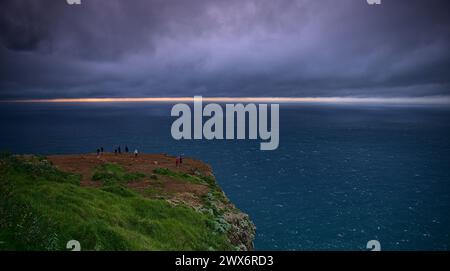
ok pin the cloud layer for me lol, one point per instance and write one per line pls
(141, 48)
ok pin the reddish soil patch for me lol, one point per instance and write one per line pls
(175, 190)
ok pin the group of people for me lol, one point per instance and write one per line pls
(179, 161)
(116, 151)
(119, 150)
(99, 151)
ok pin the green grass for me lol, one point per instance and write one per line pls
(180, 176)
(111, 174)
(157, 192)
(42, 208)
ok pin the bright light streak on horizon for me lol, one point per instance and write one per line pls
(444, 100)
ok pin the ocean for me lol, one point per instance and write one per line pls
(342, 175)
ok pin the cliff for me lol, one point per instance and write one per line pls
(116, 202)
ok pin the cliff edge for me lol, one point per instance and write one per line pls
(116, 202)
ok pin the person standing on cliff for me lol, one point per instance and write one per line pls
(101, 149)
(135, 153)
(118, 149)
(126, 148)
(98, 153)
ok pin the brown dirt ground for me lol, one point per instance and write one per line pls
(166, 187)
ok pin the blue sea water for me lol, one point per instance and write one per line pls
(342, 175)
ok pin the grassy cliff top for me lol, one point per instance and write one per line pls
(116, 202)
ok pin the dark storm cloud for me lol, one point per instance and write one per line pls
(113, 48)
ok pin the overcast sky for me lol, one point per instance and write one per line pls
(302, 48)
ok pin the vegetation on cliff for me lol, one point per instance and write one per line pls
(43, 207)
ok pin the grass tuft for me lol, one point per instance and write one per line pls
(112, 174)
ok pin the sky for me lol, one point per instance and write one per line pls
(216, 48)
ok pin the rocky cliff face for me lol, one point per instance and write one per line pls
(240, 229)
